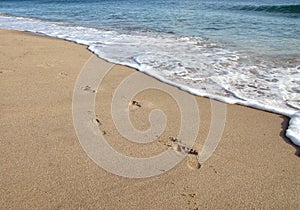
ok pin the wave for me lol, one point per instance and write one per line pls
(6, 14)
(285, 9)
(9, 15)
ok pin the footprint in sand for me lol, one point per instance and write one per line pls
(98, 123)
(134, 105)
(192, 158)
(180, 147)
(88, 89)
(190, 199)
(63, 74)
(192, 162)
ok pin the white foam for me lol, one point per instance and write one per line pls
(190, 63)
(293, 132)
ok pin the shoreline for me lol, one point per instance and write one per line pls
(292, 134)
(254, 164)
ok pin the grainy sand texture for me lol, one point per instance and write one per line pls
(44, 166)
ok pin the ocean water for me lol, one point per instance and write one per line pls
(245, 52)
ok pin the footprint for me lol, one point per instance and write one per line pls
(173, 139)
(193, 163)
(213, 168)
(87, 88)
(63, 74)
(190, 200)
(98, 123)
(180, 147)
(192, 158)
(135, 103)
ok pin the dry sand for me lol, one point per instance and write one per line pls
(43, 165)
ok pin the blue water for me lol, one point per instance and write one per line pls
(245, 52)
(269, 26)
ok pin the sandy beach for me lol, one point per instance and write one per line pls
(43, 165)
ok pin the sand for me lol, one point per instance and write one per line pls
(44, 166)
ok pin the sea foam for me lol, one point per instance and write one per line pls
(293, 132)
